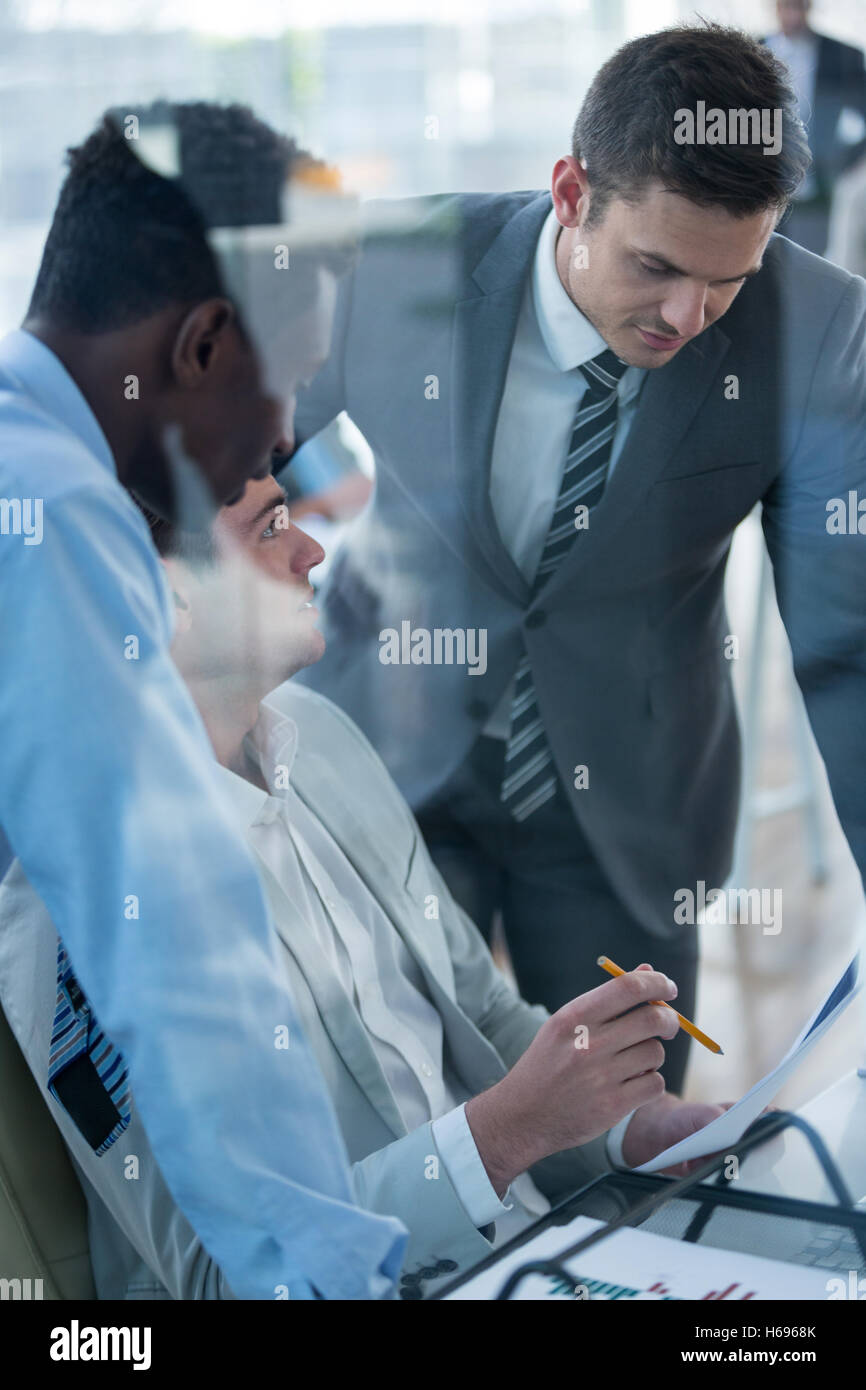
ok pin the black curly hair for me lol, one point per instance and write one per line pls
(127, 241)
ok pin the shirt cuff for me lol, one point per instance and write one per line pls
(614, 1142)
(459, 1153)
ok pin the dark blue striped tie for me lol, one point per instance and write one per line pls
(529, 778)
(86, 1073)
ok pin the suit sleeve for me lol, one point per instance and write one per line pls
(816, 538)
(510, 1024)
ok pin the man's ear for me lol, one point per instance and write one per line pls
(178, 581)
(201, 337)
(570, 190)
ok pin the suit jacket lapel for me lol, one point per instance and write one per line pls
(484, 328)
(313, 782)
(325, 795)
(340, 1018)
(670, 399)
(342, 1024)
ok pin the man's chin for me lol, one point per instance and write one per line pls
(306, 654)
(650, 359)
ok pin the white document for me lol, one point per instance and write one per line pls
(724, 1132)
(638, 1265)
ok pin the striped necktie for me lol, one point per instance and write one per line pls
(86, 1073)
(529, 778)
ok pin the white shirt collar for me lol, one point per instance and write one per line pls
(568, 335)
(273, 743)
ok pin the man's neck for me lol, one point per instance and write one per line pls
(563, 250)
(86, 358)
(100, 364)
(228, 716)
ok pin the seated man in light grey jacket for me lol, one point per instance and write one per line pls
(463, 1108)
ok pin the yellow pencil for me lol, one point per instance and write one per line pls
(690, 1028)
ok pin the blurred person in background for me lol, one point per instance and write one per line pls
(830, 82)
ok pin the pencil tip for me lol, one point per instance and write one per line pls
(721, 1053)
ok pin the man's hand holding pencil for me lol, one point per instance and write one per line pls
(592, 1062)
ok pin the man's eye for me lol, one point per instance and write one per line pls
(269, 532)
(652, 269)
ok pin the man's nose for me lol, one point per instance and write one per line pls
(684, 309)
(308, 555)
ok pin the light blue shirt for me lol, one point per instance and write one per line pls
(110, 796)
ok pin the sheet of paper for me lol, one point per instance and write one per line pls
(633, 1264)
(724, 1132)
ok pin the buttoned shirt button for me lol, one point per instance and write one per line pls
(428, 1071)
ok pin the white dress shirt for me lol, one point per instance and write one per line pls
(542, 395)
(379, 976)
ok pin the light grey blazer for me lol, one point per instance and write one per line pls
(142, 1245)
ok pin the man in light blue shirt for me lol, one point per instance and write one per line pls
(132, 363)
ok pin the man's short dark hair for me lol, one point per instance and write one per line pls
(172, 542)
(624, 133)
(126, 242)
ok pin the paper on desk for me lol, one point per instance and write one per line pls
(640, 1265)
(724, 1132)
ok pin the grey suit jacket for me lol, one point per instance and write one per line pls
(142, 1245)
(627, 639)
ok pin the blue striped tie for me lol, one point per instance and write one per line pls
(529, 778)
(86, 1073)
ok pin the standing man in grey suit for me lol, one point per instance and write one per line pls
(528, 619)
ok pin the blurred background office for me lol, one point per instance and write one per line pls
(481, 95)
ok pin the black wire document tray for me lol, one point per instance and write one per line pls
(829, 1241)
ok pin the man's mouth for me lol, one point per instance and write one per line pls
(660, 344)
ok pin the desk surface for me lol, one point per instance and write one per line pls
(788, 1167)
